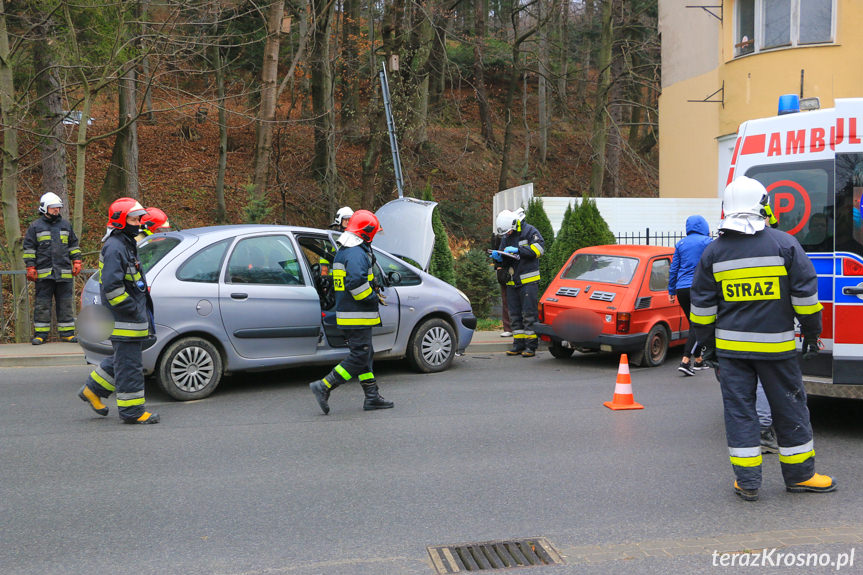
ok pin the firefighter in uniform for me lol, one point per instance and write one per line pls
(750, 285)
(522, 246)
(153, 222)
(357, 299)
(52, 258)
(123, 291)
(343, 216)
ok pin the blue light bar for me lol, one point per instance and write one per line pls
(789, 104)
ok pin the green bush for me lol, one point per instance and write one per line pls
(257, 210)
(475, 277)
(441, 265)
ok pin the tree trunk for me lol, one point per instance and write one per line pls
(9, 186)
(147, 114)
(514, 74)
(350, 65)
(486, 126)
(267, 112)
(121, 180)
(221, 210)
(49, 109)
(421, 43)
(586, 49)
(324, 160)
(377, 129)
(599, 139)
(542, 92)
(561, 100)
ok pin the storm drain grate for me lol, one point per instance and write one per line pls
(493, 555)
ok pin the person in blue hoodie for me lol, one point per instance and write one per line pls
(687, 253)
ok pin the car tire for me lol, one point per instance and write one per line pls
(432, 346)
(558, 351)
(191, 368)
(655, 346)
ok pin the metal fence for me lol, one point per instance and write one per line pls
(668, 239)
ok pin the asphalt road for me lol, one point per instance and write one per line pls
(254, 480)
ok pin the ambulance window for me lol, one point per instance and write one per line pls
(849, 198)
(802, 200)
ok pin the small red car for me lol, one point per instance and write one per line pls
(613, 298)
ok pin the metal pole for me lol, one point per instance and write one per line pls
(391, 128)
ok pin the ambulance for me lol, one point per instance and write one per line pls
(811, 163)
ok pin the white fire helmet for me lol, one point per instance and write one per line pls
(743, 206)
(49, 200)
(341, 214)
(519, 214)
(505, 222)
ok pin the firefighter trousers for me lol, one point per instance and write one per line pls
(359, 361)
(523, 308)
(783, 384)
(124, 373)
(62, 295)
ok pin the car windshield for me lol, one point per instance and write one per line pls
(154, 249)
(601, 268)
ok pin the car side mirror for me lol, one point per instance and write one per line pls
(394, 278)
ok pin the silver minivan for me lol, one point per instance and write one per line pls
(258, 297)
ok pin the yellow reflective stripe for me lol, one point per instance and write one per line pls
(702, 319)
(755, 272)
(130, 402)
(746, 461)
(342, 372)
(797, 458)
(42, 236)
(122, 297)
(363, 294)
(64, 276)
(764, 347)
(808, 309)
(346, 321)
(43, 274)
(40, 328)
(536, 249)
(101, 381)
(130, 332)
(530, 279)
(366, 376)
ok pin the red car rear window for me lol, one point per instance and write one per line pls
(601, 268)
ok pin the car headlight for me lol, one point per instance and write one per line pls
(462, 294)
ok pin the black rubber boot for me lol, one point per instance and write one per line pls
(374, 399)
(322, 394)
(147, 418)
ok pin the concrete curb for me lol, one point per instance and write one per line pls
(64, 354)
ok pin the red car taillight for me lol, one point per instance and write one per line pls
(541, 313)
(623, 322)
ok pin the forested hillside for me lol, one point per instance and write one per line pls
(227, 111)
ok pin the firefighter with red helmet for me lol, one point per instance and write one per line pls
(53, 259)
(749, 287)
(357, 299)
(154, 221)
(123, 291)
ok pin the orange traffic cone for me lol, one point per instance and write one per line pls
(623, 398)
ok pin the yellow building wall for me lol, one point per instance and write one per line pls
(687, 146)
(688, 150)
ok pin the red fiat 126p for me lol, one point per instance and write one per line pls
(613, 298)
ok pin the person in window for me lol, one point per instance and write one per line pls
(687, 253)
(816, 238)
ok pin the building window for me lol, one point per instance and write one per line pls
(769, 24)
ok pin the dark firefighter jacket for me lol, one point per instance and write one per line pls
(353, 276)
(530, 246)
(748, 289)
(51, 247)
(124, 289)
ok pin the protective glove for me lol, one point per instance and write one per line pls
(382, 299)
(31, 274)
(76, 267)
(511, 249)
(708, 356)
(495, 255)
(810, 347)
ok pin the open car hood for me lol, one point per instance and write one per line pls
(407, 229)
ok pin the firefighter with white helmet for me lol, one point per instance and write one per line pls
(521, 246)
(53, 259)
(123, 291)
(343, 215)
(750, 286)
(358, 296)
